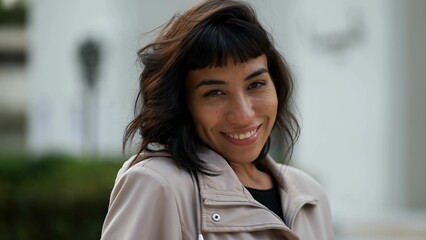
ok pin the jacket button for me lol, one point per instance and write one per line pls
(216, 217)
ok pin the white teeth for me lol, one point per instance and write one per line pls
(242, 135)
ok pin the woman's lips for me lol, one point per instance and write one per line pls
(244, 137)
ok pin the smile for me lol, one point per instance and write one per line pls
(247, 137)
(242, 136)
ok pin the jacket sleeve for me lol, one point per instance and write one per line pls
(142, 206)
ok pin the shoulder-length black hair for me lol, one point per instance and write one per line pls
(205, 35)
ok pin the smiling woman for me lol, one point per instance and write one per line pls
(213, 88)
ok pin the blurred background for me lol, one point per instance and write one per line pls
(68, 79)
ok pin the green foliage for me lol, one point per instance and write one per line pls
(54, 197)
(16, 15)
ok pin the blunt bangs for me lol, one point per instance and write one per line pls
(215, 42)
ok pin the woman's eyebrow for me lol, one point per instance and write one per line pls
(206, 82)
(257, 73)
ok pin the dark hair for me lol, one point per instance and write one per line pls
(205, 35)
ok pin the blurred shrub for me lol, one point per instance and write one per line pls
(17, 15)
(54, 197)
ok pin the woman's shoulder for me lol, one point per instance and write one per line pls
(149, 189)
(302, 181)
(315, 222)
(157, 164)
(297, 173)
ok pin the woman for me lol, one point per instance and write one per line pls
(213, 88)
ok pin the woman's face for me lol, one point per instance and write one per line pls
(233, 107)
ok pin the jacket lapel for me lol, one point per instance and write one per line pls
(292, 198)
(227, 206)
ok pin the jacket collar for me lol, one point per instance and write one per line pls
(226, 189)
(292, 197)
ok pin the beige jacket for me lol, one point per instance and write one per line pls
(154, 199)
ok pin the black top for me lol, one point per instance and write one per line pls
(270, 198)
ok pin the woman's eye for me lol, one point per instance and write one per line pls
(256, 85)
(213, 93)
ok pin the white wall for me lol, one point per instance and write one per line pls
(57, 28)
(344, 94)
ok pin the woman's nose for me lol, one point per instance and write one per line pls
(240, 110)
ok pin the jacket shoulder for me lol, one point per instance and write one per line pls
(161, 166)
(153, 192)
(302, 181)
(317, 219)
